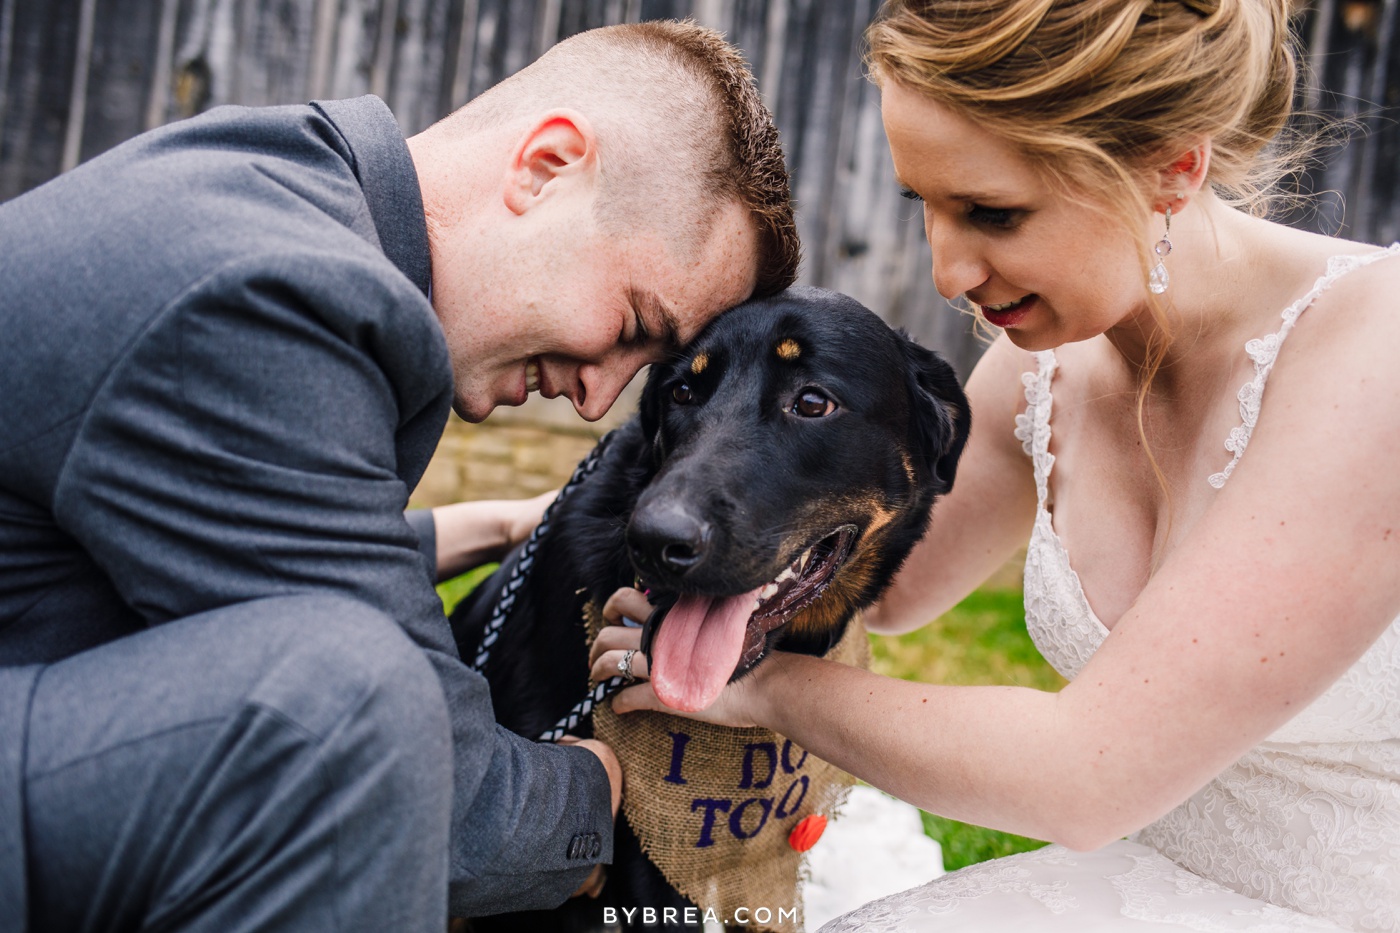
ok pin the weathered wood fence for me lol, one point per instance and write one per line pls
(79, 76)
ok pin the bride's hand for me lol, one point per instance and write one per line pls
(734, 706)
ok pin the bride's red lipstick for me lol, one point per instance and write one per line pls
(1009, 317)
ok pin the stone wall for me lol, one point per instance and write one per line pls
(516, 453)
(500, 461)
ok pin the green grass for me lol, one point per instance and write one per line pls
(982, 640)
(451, 592)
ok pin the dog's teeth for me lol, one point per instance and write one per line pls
(802, 561)
(768, 592)
(785, 576)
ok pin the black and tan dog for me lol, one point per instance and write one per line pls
(775, 478)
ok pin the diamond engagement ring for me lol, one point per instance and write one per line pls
(624, 666)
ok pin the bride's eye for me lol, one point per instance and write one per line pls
(1001, 217)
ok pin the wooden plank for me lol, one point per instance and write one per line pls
(824, 37)
(354, 49)
(715, 14)
(415, 91)
(1385, 199)
(466, 54)
(322, 49)
(77, 101)
(38, 94)
(118, 85)
(581, 15)
(1367, 214)
(665, 9)
(547, 27)
(7, 39)
(520, 25)
(162, 69)
(190, 73)
(484, 64)
(388, 16)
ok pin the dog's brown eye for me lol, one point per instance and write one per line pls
(812, 404)
(681, 394)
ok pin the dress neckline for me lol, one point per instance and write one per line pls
(1033, 428)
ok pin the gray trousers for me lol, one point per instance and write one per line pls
(283, 764)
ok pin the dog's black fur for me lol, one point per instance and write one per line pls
(732, 468)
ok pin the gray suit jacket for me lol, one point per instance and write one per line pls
(220, 378)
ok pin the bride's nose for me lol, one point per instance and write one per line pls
(958, 264)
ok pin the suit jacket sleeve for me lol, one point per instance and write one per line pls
(247, 444)
(423, 525)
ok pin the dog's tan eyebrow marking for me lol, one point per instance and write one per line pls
(697, 365)
(789, 349)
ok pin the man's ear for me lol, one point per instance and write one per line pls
(559, 145)
(939, 415)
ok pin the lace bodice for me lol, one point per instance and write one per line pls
(1310, 818)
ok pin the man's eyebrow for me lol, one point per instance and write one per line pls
(670, 335)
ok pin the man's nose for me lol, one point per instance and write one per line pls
(958, 265)
(600, 385)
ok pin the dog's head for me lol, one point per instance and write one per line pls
(798, 446)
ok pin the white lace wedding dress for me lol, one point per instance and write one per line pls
(1302, 833)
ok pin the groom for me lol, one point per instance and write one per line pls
(229, 699)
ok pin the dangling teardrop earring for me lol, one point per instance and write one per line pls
(1158, 281)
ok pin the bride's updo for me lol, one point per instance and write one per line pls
(1102, 94)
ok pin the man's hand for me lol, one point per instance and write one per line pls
(593, 884)
(473, 533)
(610, 764)
(526, 514)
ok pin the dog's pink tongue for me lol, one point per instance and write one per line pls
(698, 647)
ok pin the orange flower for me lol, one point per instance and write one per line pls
(806, 833)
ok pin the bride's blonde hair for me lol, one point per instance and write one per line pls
(1103, 95)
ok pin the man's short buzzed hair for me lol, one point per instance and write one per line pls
(682, 129)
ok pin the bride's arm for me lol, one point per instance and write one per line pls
(1276, 591)
(978, 526)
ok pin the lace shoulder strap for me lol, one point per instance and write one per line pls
(1264, 351)
(1033, 426)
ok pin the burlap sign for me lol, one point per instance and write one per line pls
(713, 807)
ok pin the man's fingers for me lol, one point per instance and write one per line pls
(592, 885)
(610, 764)
(613, 638)
(605, 665)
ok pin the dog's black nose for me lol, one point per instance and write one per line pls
(667, 539)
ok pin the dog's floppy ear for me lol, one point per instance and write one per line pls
(939, 415)
(649, 410)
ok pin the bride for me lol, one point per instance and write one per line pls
(1214, 568)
